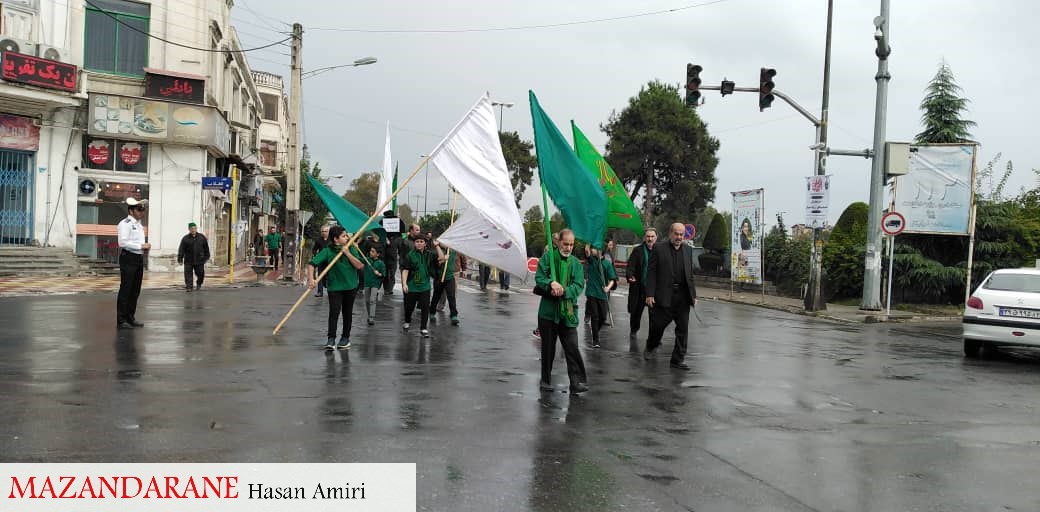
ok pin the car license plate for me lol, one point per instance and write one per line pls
(1020, 313)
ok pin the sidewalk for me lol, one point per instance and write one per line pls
(63, 285)
(836, 312)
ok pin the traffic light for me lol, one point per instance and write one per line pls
(693, 85)
(765, 88)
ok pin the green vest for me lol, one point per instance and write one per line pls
(342, 276)
(371, 279)
(419, 266)
(600, 272)
(551, 308)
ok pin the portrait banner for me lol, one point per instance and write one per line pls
(746, 237)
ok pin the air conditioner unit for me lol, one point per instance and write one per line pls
(88, 190)
(44, 51)
(12, 44)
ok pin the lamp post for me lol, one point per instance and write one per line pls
(501, 105)
(360, 62)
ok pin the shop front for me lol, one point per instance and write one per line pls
(19, 141)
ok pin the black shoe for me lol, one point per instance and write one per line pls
(454, 320)
(125, 325)
(187, 288)
(544, 386)
(579, 387)
(680, 366)
(135, 323)
(371, 322)
(649, 354)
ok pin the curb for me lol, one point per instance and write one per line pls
(863, 319)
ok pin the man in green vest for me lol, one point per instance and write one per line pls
(274, 243)
(560, 280)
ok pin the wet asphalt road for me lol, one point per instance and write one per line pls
(780, 413)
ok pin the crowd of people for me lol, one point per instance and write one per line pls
(659, 275)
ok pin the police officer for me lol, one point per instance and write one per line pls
(132, 247)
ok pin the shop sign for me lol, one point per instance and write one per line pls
(147, 120)
(18, 132)
(50, 74)
(172, 87)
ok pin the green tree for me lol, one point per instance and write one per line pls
(715, 241)
(534, 214)
(943, 109)
(364, 192)
(437, 223)
(844, 252)
(657, 140)
(520, 162)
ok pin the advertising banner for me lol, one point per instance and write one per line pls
(123, 117)
(936, 195)
(817, 200)
(746, 236)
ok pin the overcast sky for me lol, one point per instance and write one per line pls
(424, 82)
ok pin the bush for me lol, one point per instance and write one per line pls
(710, 262)
(715, 240)
(844, 253)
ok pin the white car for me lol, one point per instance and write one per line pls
(1004, 310)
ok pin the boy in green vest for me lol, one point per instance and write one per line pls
(444, 282)
(374, 273)
(416, 269)
(342, 283)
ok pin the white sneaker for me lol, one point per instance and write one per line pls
(406, 325)
(425, 333)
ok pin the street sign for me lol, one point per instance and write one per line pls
(216, 183)
(817, 200)
(691, 232)
(893, 223)
(532, 264)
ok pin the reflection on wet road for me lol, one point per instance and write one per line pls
(779, 412)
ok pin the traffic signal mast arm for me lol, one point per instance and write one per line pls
(776, 92)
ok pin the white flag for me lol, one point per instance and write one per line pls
(470, 158)
(386, 179)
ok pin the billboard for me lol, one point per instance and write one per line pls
(746, 236)
(147, 120)
(936, 195)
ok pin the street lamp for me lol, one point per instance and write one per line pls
(360, 62)
(501, 105)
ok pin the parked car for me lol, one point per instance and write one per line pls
(1004, 310)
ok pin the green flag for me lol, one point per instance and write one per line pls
(621, 213)
(346, 214)
(572, 188)
(393, 204)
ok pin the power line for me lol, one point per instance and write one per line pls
(135, 29)
(521, 27)
(185, 15)
(261, 18)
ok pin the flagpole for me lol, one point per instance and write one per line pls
(353, 240)
(454, 198)
(548, 229)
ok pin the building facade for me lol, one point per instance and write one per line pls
(160, 105)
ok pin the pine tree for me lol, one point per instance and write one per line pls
(942, 111)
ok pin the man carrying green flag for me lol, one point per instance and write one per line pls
(621, 213)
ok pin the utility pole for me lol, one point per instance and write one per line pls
(872, 260)
(292, 181)
(814, 298)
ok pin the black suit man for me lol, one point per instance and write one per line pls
(670, 293)
(636, 272)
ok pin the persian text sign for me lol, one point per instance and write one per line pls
(18, 132)
(746, 241)
(817, 200)
(216, 487)
(936, 195)
(172, 87)
(31, 70)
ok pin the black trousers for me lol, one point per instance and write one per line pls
(273, 253)
(389, 278)
(422, 299)
(636, 304)
(341, 302)
(485, 276)
(131, 273)
(196, 269)
(447, 288)
(661, 316)
(598, 309)
(568, 337)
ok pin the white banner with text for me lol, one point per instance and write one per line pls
(212, 487)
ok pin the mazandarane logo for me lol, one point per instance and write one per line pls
(217, 487)
(123, 487)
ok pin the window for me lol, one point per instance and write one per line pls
(117, 155)
(116, 37)
(270, 102)
(268, 153)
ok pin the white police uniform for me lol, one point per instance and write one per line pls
(131, 267)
